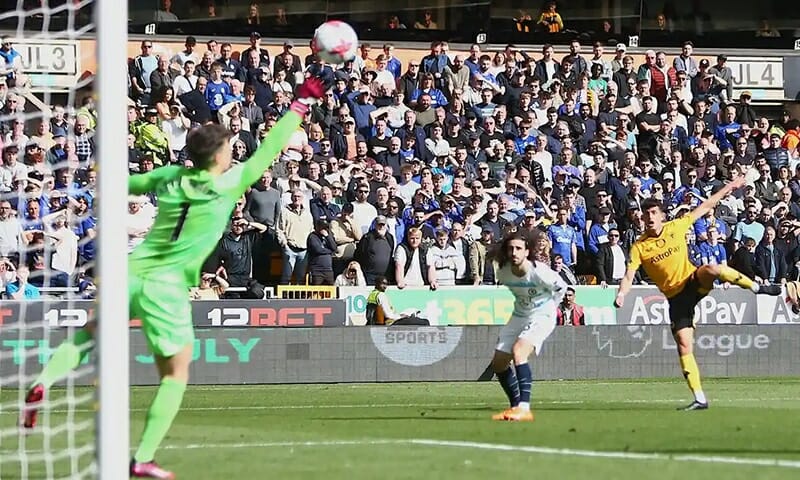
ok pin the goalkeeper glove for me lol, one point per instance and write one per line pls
(307, 94)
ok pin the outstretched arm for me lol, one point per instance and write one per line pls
(713, 200)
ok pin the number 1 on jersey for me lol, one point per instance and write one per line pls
(181, 220)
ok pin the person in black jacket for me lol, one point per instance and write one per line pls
(612, 256)
(322, 207)
(374, 251)
(770, 261)
(321, 247)
(744, 259)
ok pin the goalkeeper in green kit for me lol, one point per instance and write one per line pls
(194, 207)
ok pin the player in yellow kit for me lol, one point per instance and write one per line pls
(663, 253)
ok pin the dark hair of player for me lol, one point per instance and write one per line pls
(203, 143)
(649, 203)
(529, 238)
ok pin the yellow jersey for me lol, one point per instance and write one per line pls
(665, 258)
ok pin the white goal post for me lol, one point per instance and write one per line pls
(113, 421)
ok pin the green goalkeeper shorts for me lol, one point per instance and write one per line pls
(165, 311)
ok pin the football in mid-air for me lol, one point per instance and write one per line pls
(335, 42)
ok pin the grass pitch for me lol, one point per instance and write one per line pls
(592, 430)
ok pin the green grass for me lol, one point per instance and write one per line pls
(390, 431)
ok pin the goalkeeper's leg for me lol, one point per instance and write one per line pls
(174, 373)
(65, 359)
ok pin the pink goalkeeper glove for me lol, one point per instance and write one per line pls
(307, 93)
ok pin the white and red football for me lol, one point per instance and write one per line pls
(335, 42)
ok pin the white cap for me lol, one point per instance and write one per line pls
(621, 47)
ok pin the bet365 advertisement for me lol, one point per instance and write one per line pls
(490, 305)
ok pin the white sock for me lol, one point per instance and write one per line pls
(699, 396)
(525, 406)
(755, 288)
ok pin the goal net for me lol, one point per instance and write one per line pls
(50, 180)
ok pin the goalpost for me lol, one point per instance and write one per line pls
(83, 425)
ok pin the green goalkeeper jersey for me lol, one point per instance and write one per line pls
(194, 209)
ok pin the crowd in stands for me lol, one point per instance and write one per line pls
(416, 171)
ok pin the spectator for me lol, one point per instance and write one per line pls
(20, 289)
(141, 215)
(212, 287)
(234, 260)
(563, 270)
(410, 260)
(296, 224)
(598, 233)
(374, 251)
(612, 259)
(550, 20)
(480, 265)
(444, 261)
(351, 277)
(347, 235)
(12, 237)
(321, 247)
(140, 70)
(770, 261)
(563, 237)
(569, 312)
(323, 208)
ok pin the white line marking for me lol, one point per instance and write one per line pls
(8, 409)
(568, 452)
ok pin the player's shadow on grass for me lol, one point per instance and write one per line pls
(567, 408)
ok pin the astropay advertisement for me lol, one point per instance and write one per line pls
(731, 306)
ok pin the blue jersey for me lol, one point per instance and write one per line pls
(712, 254)
(216, 93)
(563, 237)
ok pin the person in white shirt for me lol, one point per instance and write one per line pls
(407, 187)
(187, 54)
(363, 211)
(187, 82)
(141, 215)
(12, 238)
(537, 291)
(383, 76)
(543, 157)
(444, 261)
(395, 113)
(409, 272)
(176, 128)
(65, 242)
